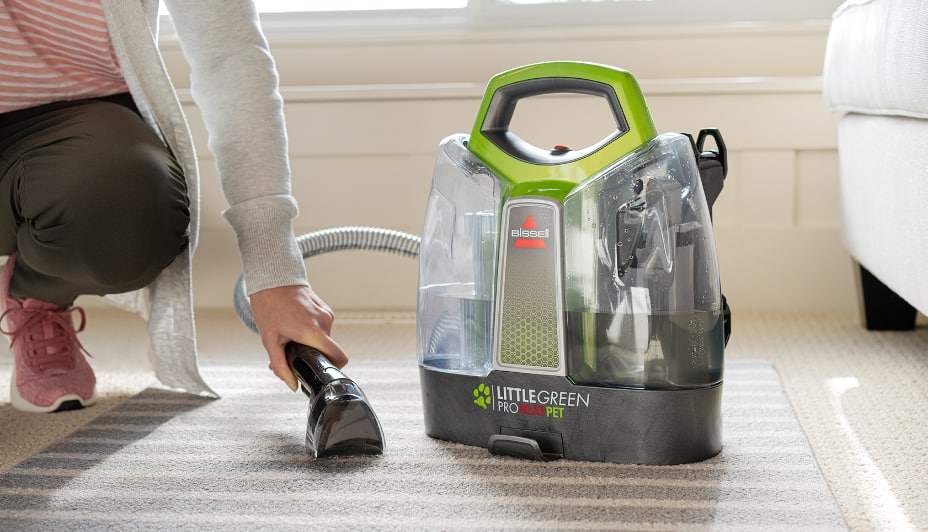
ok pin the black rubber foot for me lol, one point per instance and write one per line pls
(67, 406)
(883, 309)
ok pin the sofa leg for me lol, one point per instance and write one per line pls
(883, 309)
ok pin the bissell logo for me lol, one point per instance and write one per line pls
(529, 236)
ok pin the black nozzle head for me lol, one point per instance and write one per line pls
(342, 423)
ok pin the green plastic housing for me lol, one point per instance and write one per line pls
(533, 171)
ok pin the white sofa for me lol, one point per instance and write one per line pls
(876, 72)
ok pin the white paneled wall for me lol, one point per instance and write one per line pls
(366, 114)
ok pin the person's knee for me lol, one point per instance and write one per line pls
(135, 221)
(101, 205)
(121, 215)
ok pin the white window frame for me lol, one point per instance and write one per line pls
(481, 15)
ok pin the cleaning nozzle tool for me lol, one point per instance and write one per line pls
(340, 420)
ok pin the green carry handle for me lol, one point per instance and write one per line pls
(533, 171)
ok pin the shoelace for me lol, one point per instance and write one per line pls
(46, 349)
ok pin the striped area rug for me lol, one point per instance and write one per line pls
(169, 461)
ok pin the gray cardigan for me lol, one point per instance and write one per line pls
(234, 83)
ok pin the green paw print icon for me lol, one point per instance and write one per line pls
(482, 396)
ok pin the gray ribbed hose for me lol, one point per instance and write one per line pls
(335, 239)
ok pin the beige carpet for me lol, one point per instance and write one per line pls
(860, 397)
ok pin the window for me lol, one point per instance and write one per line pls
(723, 9)
(523, 2)
(285, 6)
(353, 16)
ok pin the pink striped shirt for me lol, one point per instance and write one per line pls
(54, 50)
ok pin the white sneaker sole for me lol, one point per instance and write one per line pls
(21, 404)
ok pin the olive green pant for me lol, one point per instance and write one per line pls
(91, 200)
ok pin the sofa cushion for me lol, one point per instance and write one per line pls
(876, 58)
(883, 190)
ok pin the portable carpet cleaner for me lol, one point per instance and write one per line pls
(569, 300)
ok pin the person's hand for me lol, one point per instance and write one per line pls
(294, 314)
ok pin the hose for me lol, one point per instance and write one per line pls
(335, 239)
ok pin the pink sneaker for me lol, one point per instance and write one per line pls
(50, 372)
